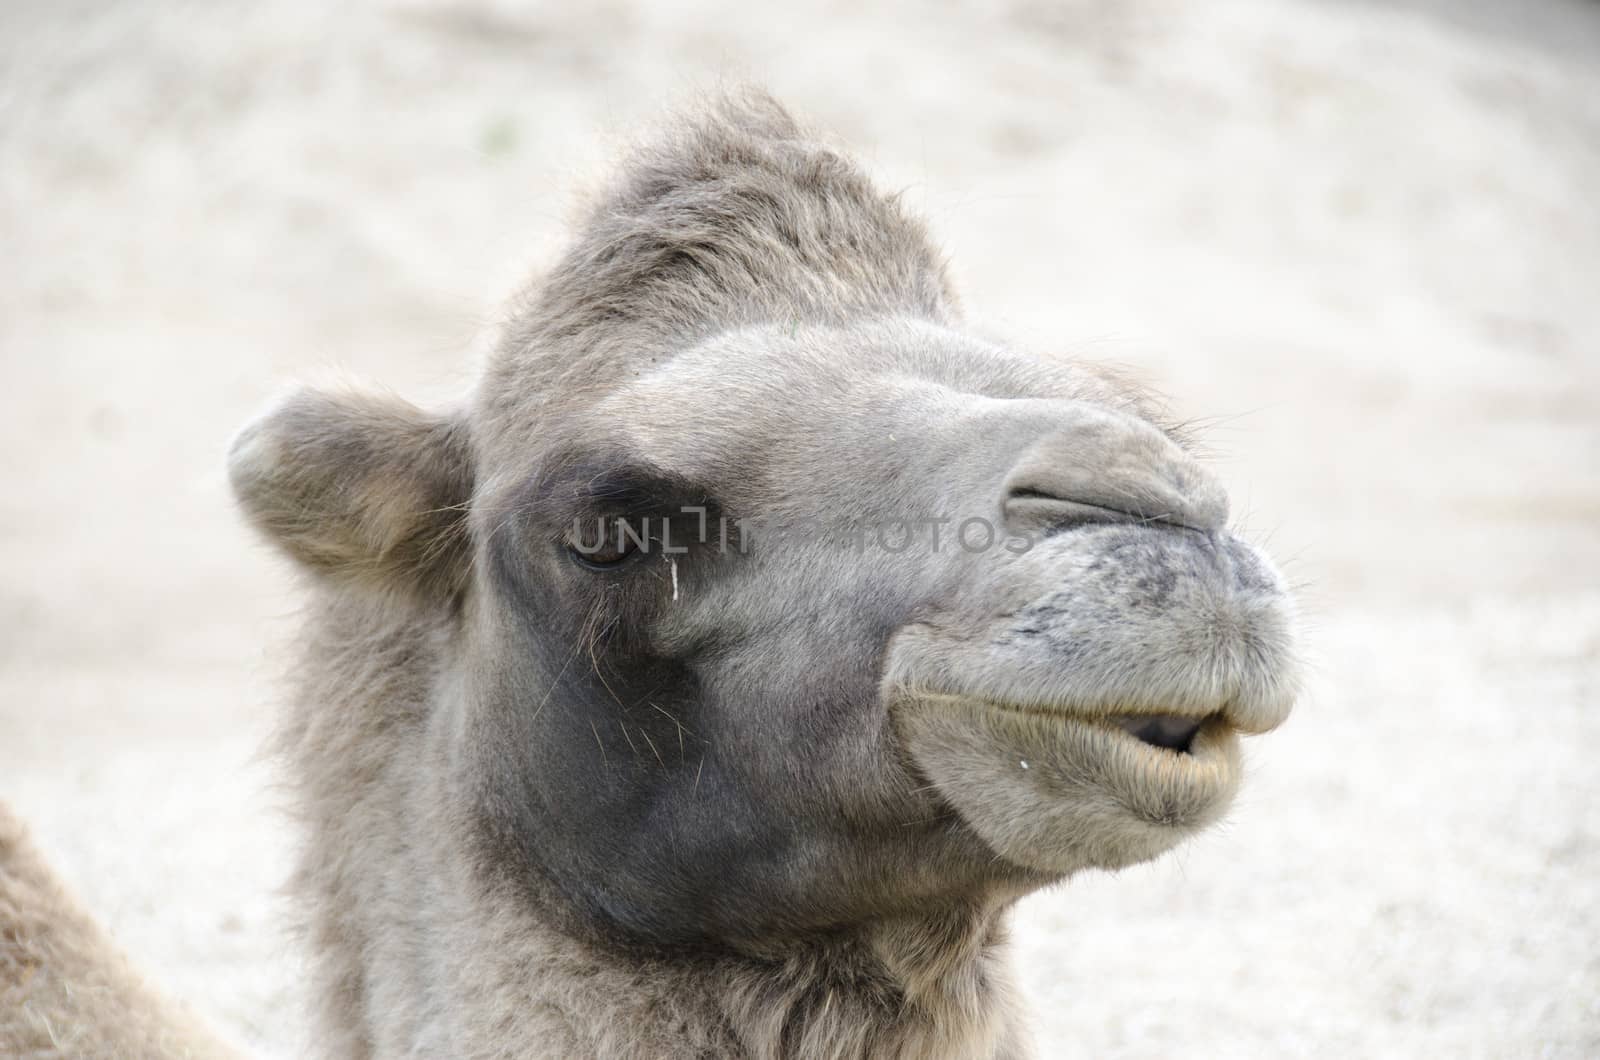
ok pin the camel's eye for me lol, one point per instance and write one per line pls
(606, 543)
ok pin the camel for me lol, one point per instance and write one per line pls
(715, 679)
(65, 989)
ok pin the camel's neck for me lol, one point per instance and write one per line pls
(931, 985)
(926, 986)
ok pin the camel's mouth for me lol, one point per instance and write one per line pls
(1192, 753)
(1171, 732)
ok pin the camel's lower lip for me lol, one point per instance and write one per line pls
(1055, 788)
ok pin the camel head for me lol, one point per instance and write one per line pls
(764, 598)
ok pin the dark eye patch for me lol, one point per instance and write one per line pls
(607, 508)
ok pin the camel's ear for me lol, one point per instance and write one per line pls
(360, 488)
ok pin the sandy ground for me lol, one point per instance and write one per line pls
(1359, 242)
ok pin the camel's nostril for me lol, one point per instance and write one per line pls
(1101, 464)
(1170, 731)
(1048, 514)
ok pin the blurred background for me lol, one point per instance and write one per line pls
(1357, 242)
